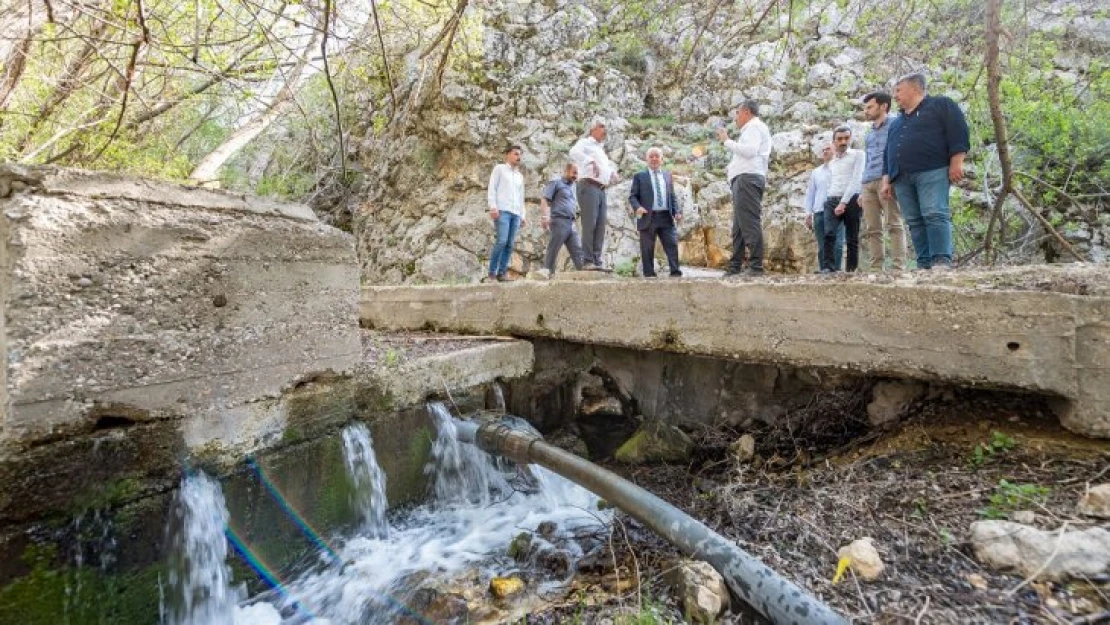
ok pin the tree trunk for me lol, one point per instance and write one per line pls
(207, 171)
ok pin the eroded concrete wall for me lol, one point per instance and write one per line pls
(130, 301)
(1043, 330)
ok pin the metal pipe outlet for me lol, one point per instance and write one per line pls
(753, 582)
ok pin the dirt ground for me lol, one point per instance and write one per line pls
(914, 490)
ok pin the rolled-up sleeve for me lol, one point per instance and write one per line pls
(956, 130)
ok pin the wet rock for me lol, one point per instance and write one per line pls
(863, 558)
(1047, 555)
(701, 590)
(433, 606)
(595, 406)
(521, 546)
(655, 441)
(744, 448)
(1096, 502)
(890, 399)
(557, 562)
(547, 529)
(505, 587)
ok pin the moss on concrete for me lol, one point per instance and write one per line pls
(78, 596)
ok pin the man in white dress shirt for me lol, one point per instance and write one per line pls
(842, 203)
(816, 192)
(506, 209)
(747, 177)
(595, 173)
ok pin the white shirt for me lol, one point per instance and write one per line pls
(589, 150)
(818, 189)
(752, 151)
(847, 174)
(506, 189)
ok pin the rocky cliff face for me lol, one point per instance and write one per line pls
(543, 74)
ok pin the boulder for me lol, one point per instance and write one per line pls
(863, 558)
(655, 441)
(890, 399)
(1096, 502)
(1045, 555)
(744, 448)
(700, 589)
(434, 606)
(503, 588)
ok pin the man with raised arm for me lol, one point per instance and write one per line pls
(747, 177)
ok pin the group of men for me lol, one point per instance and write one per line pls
(902, 175)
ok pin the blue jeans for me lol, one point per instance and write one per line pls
(923, 196)
(819, 232)
(507, 224)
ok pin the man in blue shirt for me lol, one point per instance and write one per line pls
(559, 206)
(925, 154)
(876, 208)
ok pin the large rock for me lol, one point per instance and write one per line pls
(655, 441)
(130, 301)
(1047, 555)
(890, 399)
(1096, 502)
(700, 589)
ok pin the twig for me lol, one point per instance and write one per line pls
(921, 614)
(331, 88)
(1047, 226)
(1044, 565)
(385, 57)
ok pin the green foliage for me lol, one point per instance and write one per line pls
(999, 444)
(626, 268)
(1009, 496)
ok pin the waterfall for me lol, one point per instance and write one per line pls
(461, 473)
(369, 480)
(202, 586)
(498, 397)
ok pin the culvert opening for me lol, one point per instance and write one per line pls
(1013, 346)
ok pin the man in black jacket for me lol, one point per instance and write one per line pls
(656, 211)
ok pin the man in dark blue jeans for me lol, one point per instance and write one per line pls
(925, 152)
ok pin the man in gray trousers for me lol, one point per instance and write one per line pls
(557, 206)
(747, 177)
(596, 172)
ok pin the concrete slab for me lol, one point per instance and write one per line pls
(1045, 330)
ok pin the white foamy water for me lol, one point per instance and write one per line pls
(368, 478)
(474, 516)
(201, 586)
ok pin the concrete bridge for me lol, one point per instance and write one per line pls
(1042, 330)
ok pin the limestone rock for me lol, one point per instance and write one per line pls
(655, 441)
(744, 448)
(505, 587)
(1006, 545)
(434, 606)
(1096, 503)
(863, 558)
(890, 399)
(701, 590)
(1025, 517)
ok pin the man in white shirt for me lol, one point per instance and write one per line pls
(595, 173)
(506, 209)
(842, 202)
(747, 176)
(816, 192)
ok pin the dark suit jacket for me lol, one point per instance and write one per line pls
(642, 195)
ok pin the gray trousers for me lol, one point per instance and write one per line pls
(747, 229)
(563, 232)
(594, 208)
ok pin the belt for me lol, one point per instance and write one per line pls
(592, 182)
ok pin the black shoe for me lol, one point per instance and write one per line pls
(730, 272)
(753, 271)
(676, 274)
(503, 278)
(649, 275)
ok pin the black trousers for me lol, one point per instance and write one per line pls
(850, 218)
(747, 228)
(661, 226)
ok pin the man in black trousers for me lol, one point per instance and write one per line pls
(656, 211)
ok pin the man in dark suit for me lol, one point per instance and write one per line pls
(656, 211)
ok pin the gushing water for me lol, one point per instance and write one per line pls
(461, 473)
(498, 397)
(369, 480)
(203, 584)
(475, 514)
